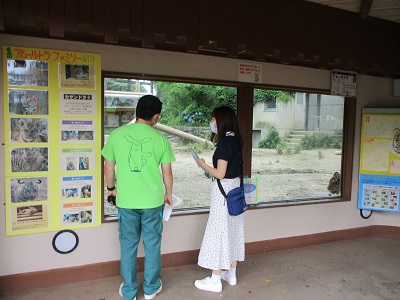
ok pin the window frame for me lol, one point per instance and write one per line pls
(245, 120)
(268, 108)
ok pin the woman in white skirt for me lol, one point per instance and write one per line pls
(223, 241)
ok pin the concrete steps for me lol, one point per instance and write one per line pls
(294, 138)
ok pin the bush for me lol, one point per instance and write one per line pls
(272, 140)
(308, 142)
(280, 148)
(325, 141)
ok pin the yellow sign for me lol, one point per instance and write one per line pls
(52, 110)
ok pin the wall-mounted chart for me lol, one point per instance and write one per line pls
(380, 160)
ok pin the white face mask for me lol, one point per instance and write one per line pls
(213, 127)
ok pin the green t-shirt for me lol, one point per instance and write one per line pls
(138, 150)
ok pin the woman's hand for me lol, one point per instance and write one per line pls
(200, 162)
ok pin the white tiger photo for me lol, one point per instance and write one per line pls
(28, 189)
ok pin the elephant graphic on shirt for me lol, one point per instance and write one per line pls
(137, 157)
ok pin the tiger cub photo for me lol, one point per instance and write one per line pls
(29, 130)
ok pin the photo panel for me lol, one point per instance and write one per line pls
(76, 76)
(29, 130)
(27, 73)
(28, 102)
(28, 189)
(29, 159)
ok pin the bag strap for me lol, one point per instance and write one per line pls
(221, 188)
(241, 181)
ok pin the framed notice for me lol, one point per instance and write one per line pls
(51, 157)
(379, 181)
(344, 83)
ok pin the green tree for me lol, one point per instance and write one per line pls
(261, 95)
(191, 104)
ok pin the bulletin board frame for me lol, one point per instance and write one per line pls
(379, 180)
(52, 110)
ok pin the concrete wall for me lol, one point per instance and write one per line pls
(30, 253)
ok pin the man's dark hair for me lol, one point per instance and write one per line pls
(147, 107)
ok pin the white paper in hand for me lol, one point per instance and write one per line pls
(167, 211)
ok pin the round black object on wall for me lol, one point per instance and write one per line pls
(65, 241)
(365, 214)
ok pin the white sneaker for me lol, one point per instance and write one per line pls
(230, 280)
(120, 291)
(152, 296)
(207, 284)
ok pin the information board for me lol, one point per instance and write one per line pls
(52, 156)
(379, 180)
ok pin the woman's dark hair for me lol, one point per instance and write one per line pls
(227, 121)
(147, 107)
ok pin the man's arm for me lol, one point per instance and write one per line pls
(109, 173)
(168, 182)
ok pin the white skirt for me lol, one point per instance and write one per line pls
(223, 240)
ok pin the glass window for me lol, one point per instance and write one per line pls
(297, 149)
(296, 138)
(184, 119)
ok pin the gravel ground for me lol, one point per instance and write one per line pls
(281, 177)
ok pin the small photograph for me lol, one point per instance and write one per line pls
(76, 76)
(86, 191)
(28, 130)
(27, 72)
(85, 135)
(70, 193)
(68, 135)
(71, 165)
(79, 72)
(28, 102)
(28, 189)
(28, 213)
(29, 159)
(84, 163)
(86, 216)
(70, 218)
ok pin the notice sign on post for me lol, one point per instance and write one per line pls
(249, 72)
(344, 83)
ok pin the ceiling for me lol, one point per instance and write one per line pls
(354, 35)
(382, 9)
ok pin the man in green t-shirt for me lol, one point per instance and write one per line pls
(133, 155)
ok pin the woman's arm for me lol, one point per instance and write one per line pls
(218, 172)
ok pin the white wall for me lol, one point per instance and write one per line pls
(29, 253)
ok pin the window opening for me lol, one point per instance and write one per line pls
(297, 149)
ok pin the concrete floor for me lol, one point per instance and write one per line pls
(365, 268)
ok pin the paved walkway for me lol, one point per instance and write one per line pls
(365, 268)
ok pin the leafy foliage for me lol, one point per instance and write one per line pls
(262, 95)
(315, 141)
(272, 141)
(191, 104)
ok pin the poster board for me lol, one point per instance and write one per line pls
(379, 180)
(52, 110)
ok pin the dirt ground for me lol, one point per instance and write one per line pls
(280, 177)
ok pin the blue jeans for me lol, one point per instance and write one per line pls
(132, 224)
